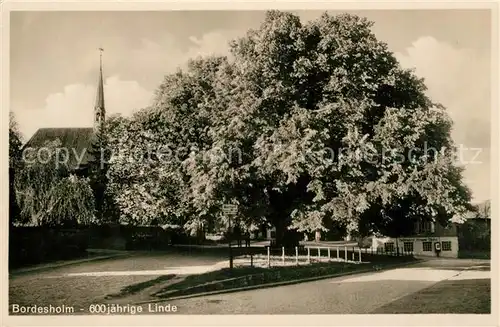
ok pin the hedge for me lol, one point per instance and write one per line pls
(33, 245)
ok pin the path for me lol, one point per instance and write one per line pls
(359, 294)
(436, 285)
(82, 284)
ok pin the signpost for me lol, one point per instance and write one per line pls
(230, 210)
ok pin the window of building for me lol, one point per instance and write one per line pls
(389, 247)
(273, 234)
(446, 246)
(427, 246)
(408, 246)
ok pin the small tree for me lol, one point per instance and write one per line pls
(15, 164)
(105, 204)
(484, 210)
(70, 203)
(15, 142)
(48, 194)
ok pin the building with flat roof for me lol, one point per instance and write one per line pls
(428, 239)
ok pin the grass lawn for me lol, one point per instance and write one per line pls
(472, 296)
(474, 254)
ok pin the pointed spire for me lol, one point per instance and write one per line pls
(99, 101)
(99, 110)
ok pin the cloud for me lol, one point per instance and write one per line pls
(213, 43)
(144, 65)
(459, 79)
(74, 105)
(163, 56)
(477, 174)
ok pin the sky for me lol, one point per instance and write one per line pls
(54, 63)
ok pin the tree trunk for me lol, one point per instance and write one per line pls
(280, 232)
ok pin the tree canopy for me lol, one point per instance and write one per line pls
(304, 125)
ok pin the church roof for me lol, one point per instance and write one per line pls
(77, 141)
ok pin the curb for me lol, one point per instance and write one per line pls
(284, 283)
(23, 271)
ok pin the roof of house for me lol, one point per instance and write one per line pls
(77, 141)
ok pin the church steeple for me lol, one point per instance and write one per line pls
(99, 110)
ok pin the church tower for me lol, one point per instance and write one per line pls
(99, 110)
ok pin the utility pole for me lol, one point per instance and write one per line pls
(230, 210)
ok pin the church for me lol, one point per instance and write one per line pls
(77, 141)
